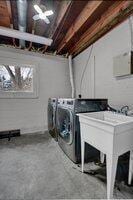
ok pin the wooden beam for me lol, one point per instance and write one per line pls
(11, 21)
(65, 6)
(30, 24)
(5, 19)
(49, 31)
(84, 16)
(51, 27)
(113, 16)
(4, 14)
(14, 12)
(62, 12)
(9, 11)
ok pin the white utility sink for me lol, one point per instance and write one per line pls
(107, 119)
(111, 134)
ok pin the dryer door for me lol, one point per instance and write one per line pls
(65, 124)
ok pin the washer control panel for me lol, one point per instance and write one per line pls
(67, 103)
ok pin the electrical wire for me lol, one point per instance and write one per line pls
(85, 68)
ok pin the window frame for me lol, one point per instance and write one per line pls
(19, 94)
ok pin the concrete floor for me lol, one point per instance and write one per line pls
(34, 167)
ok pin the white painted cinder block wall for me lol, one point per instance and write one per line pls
(30, 115)
(98, 80)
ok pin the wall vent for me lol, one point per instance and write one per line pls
(10, 133)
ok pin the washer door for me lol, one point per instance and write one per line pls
(65, 125)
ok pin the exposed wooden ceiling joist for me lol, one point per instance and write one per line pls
(52, 25)
(4, 14)
(30, 22)
(9, 11)
(73, 11)
(119, 11)
(14, 14)
(5, 19)
(84, 16)
(64, 8)
(75, 25)
(62, 12)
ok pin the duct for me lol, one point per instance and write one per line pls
(71, 76)
(22, 15)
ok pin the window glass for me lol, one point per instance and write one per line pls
(15, 78)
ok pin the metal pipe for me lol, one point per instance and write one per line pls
(22, 15)
(71, 76)
(24, 36)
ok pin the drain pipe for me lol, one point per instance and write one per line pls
(22, 14)
(71, 76)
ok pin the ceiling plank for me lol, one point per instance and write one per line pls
(5, 20)
(84, 16)
(62, 12)
(64, 7)
(48, 33)
(14, 12)
(4, 15)
(9, 11)
(113, 16)
(74, 10)
(30, 14)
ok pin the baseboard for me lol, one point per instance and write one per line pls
(34, 129)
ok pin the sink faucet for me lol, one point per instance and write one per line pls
(130, 112)
(124, 110)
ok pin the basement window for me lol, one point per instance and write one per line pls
(18, 81)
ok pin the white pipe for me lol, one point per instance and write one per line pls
(25, 36)
(71, 75)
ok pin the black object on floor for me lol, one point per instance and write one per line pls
(10, 133)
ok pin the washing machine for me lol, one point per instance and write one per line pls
(51, 116)
(68, 126)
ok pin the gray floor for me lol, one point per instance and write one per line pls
(34, 167)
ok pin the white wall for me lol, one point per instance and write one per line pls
(99, 81)
(31, 114)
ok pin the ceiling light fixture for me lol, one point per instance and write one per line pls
(41, 14)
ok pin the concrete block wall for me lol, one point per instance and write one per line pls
(98, 81)
(30, 115)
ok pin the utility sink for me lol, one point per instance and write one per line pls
(112, 134)
(113, 122)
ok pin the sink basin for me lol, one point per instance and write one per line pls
(112, 134)
(108, 120)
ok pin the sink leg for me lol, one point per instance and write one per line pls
(102, 157)
(130, 168)
(82, 154)
(111, 173)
